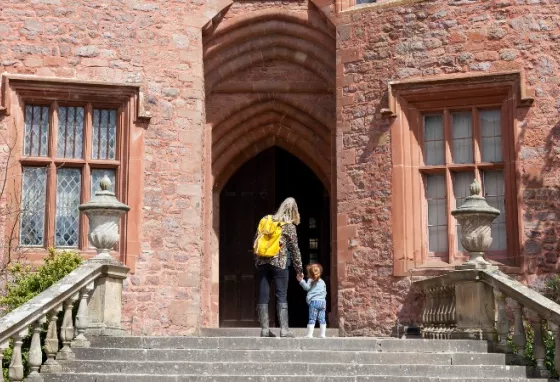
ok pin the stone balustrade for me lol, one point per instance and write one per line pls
(477, 309)
(95, 287)
(471, 302)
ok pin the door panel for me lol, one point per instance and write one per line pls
(247, 197)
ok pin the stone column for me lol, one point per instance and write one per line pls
(104, 212)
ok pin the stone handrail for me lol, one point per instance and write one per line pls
(471, 304)
(97, 285)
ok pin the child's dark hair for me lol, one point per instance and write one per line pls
(314, 271)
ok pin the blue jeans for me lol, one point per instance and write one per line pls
(317, 310)
(266, 273)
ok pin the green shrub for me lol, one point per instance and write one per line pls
(25, 283)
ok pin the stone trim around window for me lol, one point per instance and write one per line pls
(407, 100)
(19, 90)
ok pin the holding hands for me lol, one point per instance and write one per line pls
(299, 277)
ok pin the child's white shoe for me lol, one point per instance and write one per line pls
(310, 329)
(323, 330)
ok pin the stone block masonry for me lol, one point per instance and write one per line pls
(432, 39)
(160, 45)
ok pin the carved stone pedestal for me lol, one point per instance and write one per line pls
(475, 311)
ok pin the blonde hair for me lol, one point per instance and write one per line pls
(314, 271)
(287, 212)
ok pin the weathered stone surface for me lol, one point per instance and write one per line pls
(157, 45)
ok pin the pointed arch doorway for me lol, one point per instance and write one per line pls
(255, 190)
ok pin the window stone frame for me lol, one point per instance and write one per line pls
(406, 101)
(17, 90)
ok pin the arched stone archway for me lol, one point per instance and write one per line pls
(269, 82)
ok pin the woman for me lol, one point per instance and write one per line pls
(276, 268)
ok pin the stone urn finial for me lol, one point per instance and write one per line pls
(104, 212)
(476, 217)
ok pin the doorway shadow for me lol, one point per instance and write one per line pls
(254, 191)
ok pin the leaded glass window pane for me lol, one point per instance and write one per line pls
(461, 189)
(68, 181)
(36, 140)
(34, 190)
(494, 194)
(70, 132)
(97, 175)
(437, 213)
(433, 140)
(462, 138)
(491, 132)
(104, 134)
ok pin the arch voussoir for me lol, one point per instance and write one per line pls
(244, 115)
(225, 166)
(259, 57)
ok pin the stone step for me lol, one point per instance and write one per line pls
(293, 368)
(317, 356)
(255, 332)
(83, 377)
(248, 343)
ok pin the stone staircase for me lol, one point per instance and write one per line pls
(219, 357)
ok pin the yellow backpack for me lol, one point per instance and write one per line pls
(267, 243)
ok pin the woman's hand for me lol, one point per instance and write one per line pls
(299, 277)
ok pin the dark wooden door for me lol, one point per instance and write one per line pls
(255, 190)
(247, 197)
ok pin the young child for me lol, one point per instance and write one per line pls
(316, 298)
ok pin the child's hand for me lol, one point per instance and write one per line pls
(299, 277)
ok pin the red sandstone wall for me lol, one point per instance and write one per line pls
(151, 43)
(434, 38)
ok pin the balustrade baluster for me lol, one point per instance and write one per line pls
(433, 309)
(51, 343)
(424, 311)
(82, 319)
(450, 310)
(35, 351)
(538, 344)
(453, 308)
(439, 315)
(67, 330)
(502, 322)
(554, 328)
(15, 372)
(3, 348)
(426, 318)
(519, 337)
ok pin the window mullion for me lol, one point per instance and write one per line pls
(476, 136)
(53, 130)
(447, 136)
(87, 133)
(86, 176)
(50, 213)
(451, 227)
